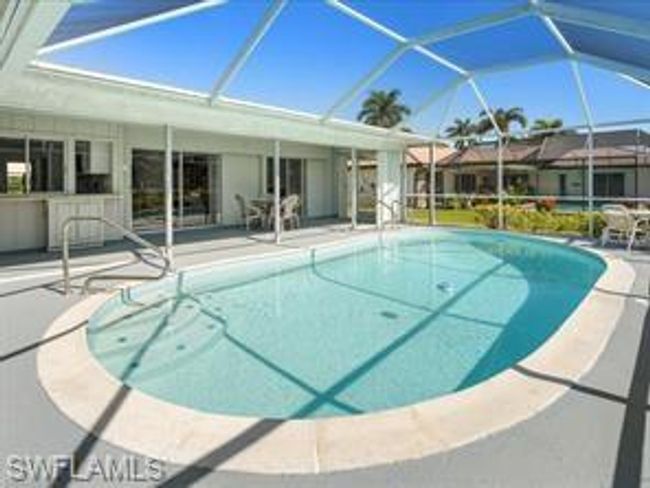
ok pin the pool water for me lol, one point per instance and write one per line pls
(344, 330)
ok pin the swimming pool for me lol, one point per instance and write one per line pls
(360, 327)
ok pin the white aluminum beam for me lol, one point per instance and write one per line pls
(169, 196)
(129, 26)
(586, 107)
(364, 19)
(24, 29)
(584, 101)
(590, 179)
(366, 81)
(277, 214)
(445, 112)
(500, 183)
(594, 19)
(433, 154)
(248, 48)
(486, 107)
(354, 190)
(433, 98)
(404, 44)
(559, 37)
(613, 65)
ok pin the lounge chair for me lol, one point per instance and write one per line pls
(249, 213)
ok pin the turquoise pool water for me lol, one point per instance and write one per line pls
(346, 330)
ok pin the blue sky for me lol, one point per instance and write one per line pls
(314, 53)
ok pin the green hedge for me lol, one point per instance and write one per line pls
(539, 221)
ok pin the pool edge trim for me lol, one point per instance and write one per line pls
(84, 391)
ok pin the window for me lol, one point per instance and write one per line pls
(465, 183)
(12, 155)
(46, 161)
(291, 176)
(93, 166)
(196, 189)
(609, 185)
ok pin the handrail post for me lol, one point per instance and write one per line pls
(132, 236)
(66, 258)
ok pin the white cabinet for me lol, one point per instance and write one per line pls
(100, 157)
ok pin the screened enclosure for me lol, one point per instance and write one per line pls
(585, 63)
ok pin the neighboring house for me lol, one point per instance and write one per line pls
(555, 165)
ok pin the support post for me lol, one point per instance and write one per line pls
(404, 180)
(355, 188)
(432, 183)
(590, 179)
(276, 191)
(169, 197)
(500, 182)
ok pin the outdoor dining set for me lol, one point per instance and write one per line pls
(625, 225)
(260, 211)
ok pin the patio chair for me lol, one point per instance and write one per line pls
(289, 211)
(249, 213)
(622, 227)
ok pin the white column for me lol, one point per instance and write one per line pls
(181, 188)
(276, 191)
(169, 197)
(590, 179)
(433, 154)
(354, 190)
(500, 181)
(388, 185)
(404, 188)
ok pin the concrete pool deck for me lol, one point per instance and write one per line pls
(593, 435)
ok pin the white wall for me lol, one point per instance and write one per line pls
(388, 184)
(241, 159)
(241, 175)
(321, 182)
(24, 219)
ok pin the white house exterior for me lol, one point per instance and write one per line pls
(71, 143)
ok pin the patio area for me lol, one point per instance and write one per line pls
(232, 141)
(596, 434)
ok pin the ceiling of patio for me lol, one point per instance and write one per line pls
(448, 58)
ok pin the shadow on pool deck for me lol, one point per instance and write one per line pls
(630, 451)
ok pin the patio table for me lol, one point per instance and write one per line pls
(265, 204)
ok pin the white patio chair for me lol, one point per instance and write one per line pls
(249, 213)
(289, 211)
(620, 226)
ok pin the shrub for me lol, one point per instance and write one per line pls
(542, 222)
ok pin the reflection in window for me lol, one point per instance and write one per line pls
(93, 166)
(17, 178)
(46, 159)
(11, 151)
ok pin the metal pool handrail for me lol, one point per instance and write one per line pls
(132, 236)
(392, 209)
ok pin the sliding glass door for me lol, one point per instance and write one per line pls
(196, 189)
(198, 192)
(292, 178)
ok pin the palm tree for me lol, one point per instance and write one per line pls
(383, 109)
(503, 118)
(544, 127)
(462, 128)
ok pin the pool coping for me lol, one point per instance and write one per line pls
(87, 394)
